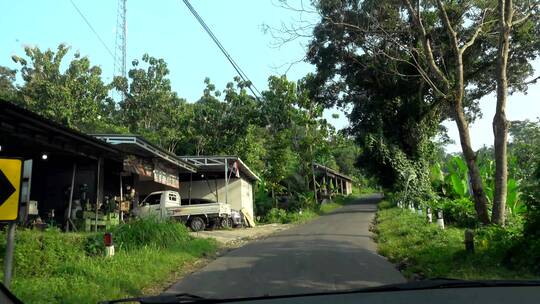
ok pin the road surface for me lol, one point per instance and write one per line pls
(332, 252)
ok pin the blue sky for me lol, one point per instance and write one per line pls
(166, 29)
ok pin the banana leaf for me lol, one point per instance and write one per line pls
(459, 185)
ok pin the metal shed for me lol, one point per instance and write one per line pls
(224, 179)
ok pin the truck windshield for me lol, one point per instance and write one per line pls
(153, 199)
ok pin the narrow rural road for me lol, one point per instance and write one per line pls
(332, 252)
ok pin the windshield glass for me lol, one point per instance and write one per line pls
(230, 149)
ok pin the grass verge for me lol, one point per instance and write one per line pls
(421, 250)
(299, 217)
(55, 267)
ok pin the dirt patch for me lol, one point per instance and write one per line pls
(238, 237)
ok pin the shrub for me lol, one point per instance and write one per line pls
(150, 232)
(459, 212)
(276, 215)
(385, 204)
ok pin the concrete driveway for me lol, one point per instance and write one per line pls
(332, 252)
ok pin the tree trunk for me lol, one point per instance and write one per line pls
(500, 123)
(480, 200)
(479, 195)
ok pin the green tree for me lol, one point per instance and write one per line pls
(75, 97)
(7, 86)
(439, 48)
(524, 149)
(510, 16)
(150, 108)
(277, 116)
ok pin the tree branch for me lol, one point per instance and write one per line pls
(475, 35)
(426, 44)
(448, 26)
(529, 13)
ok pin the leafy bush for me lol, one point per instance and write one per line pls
(144, 232)
(460, 212)
(300, 216)
(527, 252)
(386, 204)
(263, 202)
(276, 215)
(150, 232)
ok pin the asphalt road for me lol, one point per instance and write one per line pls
(332, 252)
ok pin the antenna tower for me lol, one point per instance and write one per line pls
(121, 40)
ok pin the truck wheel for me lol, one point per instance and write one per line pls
(197, 224)
(226, 223)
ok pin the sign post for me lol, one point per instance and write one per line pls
(10, 193)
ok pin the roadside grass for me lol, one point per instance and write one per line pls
(55, 267)
(421, 250)
(361, 191)
(283, 216)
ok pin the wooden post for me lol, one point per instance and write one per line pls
(190, 184)
(8, 259)
(68, 223)
(469, 240)
(226, 182)
(98, 190)
(121, 198)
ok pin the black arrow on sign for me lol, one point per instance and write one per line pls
(6, 188)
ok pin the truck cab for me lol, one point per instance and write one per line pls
(159, 203)
(168, 204)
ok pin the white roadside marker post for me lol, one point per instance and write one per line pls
(429, 215)
(109, 246)
(440, 219)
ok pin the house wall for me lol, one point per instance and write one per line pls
(348, 187)
(240, 193)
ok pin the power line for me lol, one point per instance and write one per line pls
(239, 70)
(92, 28)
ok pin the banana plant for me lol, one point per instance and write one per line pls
(512, 198)
(456, 177)
(455, 181)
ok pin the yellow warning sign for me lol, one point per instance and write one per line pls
(10, 188)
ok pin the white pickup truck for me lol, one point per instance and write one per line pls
(167, 204)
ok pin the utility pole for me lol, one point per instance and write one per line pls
(121, 40)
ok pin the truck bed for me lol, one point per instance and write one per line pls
(190, 210)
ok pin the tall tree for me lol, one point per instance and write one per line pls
(76, 96)
(150, 107)
(277, 116)
(311, 139)
(448, 45)
(506, 12)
